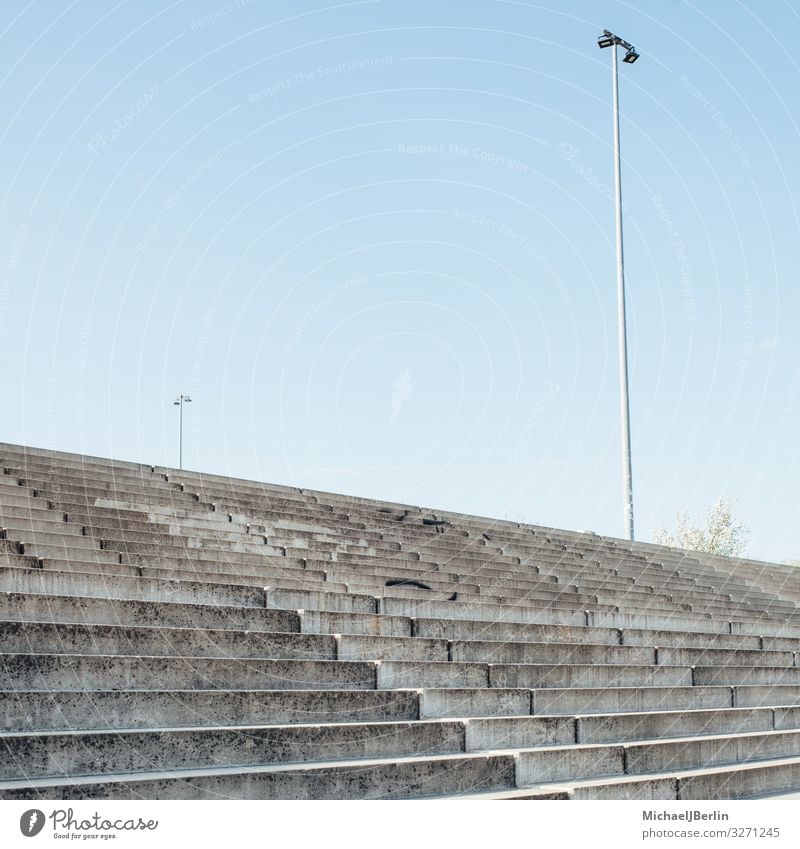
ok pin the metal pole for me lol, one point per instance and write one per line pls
(180, 435)
(625, 412)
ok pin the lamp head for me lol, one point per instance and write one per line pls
(606, 39)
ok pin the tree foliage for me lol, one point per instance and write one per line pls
(722, 534)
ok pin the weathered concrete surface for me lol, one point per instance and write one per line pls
(97, 753)
(243, 634)
(48, 672)
(688, 753)
(465, 629)
(723, 657)
(369, 780)
(613, 700)
(123, 587)
(38, 607)
(120, 640)
(351, 647)
(746, 675)
(519, 732)
(676, 723)
(741, 782)
(546, 675)
(458, 702)
(398, 674)
(567, 653)
(561, 764)
(146, 709)
(332, 622)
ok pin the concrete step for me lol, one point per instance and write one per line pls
(625, 727)
(46, 672)
(72, 639)
(84, 753)
(397, 778)
(558, 763)
(722, 657)
(773, 778)
(620, 699)
(42, 581)
(66, 551)
(734, 675)
(71, 539)
(148, 709)
(535, 676)
(39, 607)
(549, 653)
(461, 629)
(22, 499)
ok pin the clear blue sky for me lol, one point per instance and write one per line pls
(374, 242)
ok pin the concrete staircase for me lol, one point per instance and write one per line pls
(170, 634)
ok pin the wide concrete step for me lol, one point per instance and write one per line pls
(33, 513)
(536, 676)
(80, 639)
(42, 581)
(723, 657)
(82, 753)
(397, 778)
(65, 551)
(526, 732)
(44, 672)
(734, 675)
(584, 761)
(22, 498)
(70, 539)
(460, 629)
(563, 653)
(40, 607)
(769, 779)
(25, 710)
(610, 728)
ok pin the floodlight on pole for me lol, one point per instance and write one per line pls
(179, 402)
(608, 39)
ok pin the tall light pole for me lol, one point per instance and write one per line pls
(179, 402)
(608, 39)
